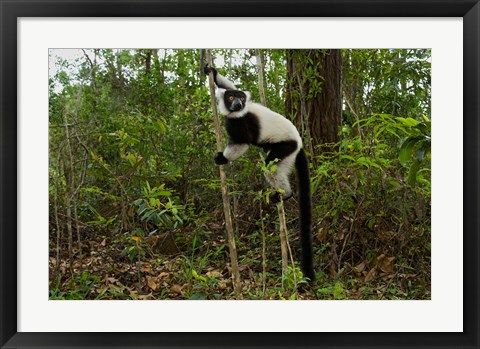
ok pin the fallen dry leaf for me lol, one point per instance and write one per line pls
(361, 267)
(146, 296)
(385, 263)
(176, 288)
(333, 268)
(134, 294)
(214, 274)
(146, 269)
(152, 282)
(371, 274)
(162, 274)
(321, 234)
(387, 276)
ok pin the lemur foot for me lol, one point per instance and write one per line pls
(220, 159)
(275, 198)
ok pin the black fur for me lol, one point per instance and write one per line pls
(305, 201)
(279, 150)
(207, 71)
(245, 129)
(220, 159)
(275, 198)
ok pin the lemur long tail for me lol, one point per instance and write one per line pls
(305, 203)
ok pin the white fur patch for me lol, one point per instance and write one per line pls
(220, 102)
(234, 151)
(223, 82)
(220, 92)
(237, 114)
(274, 128)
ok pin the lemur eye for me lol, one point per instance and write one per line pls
(230, 98)
(242, 98)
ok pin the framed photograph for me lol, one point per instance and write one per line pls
(148, 151)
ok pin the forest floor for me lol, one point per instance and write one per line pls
(129, 267)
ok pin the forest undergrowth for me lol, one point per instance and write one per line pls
(371, 239)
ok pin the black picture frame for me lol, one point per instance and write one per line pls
(11, 10)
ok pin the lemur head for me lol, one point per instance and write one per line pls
(234, 100)
(233, 103)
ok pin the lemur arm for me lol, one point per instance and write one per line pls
(232, 152)
(220, 80)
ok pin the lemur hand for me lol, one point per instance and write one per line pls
(208, 69)
(220, 159)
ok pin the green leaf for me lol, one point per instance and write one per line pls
(363, 161)
(423, 128)
(198, 296)
(347, 157)
(412, 174)
(408, 121)
(394, 183)
(406, 149)
(421, 153)
(198, 277)
(424, 148)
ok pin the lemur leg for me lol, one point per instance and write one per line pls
(286, 153)
(234, 151)
(280, 179)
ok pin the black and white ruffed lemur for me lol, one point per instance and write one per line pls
(248, 123)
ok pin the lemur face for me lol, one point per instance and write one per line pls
(235, 100)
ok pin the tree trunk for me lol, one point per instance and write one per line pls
(320, 86)
(148, 61)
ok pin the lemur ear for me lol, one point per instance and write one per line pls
(249, 95)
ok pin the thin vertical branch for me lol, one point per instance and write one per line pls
(55, 179)
(69, 191)
(223, 182)
(81, 180)
(293, 263)
(283, 238)
(261, 84)
(264, 247)
(77, 229)
(305, 120)
(280, 206)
